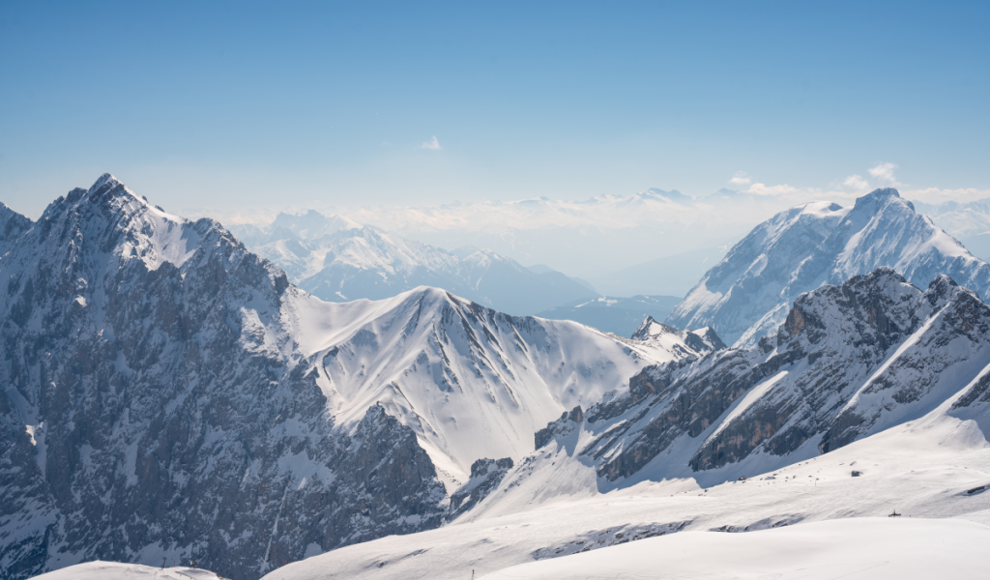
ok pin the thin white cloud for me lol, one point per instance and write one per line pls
(936, 195)
(432, 144)
(772, 190)
(740, 178)
(885, 172)
(856, 183)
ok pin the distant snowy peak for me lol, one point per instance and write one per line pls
(313, 224)
(339, 260)
(748, 293)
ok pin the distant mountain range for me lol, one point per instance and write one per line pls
(749, 293)
(595, 239)
(338, 260)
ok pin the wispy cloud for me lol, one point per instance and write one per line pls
(432, 144)
(936, 195)
(781, 190)
(885, 173)
(740, 178)
(856, 183)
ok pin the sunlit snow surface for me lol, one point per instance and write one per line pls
(924, 469)
(117, 571)
(867, 548)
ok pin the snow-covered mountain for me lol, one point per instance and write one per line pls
(873, 398)
(169, 394)
(592, 239)
(849, 361)
(338, 260)
(968, 222)
(749, 293)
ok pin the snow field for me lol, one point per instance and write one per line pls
(924, 469)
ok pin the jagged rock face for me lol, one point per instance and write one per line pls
(749, 293)
(486, 474)
(12, 225)
(849, 361)
(154, 405)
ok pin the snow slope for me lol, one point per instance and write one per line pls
(471, 382)
(873, 398)
(750, 291)
(115, 571)
(865, 548)
(338, 260)
(967, 222)
(935, 467)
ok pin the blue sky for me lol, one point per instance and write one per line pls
(244, 104)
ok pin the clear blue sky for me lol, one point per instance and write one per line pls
(329, 103)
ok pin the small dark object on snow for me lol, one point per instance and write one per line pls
(857, 473)
(894, 514)
(742, 478)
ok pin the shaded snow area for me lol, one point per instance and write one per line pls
(934, 468)
(748, 293)
(115, 571)
(866, 549)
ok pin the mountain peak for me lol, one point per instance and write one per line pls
(880, 198)
(106, 180)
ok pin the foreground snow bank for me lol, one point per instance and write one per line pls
(116, 571)
(874, 548)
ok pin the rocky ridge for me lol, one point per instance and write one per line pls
(849, 361)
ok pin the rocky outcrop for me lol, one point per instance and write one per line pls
(848, 361)
(153, 405)
(486, 474)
